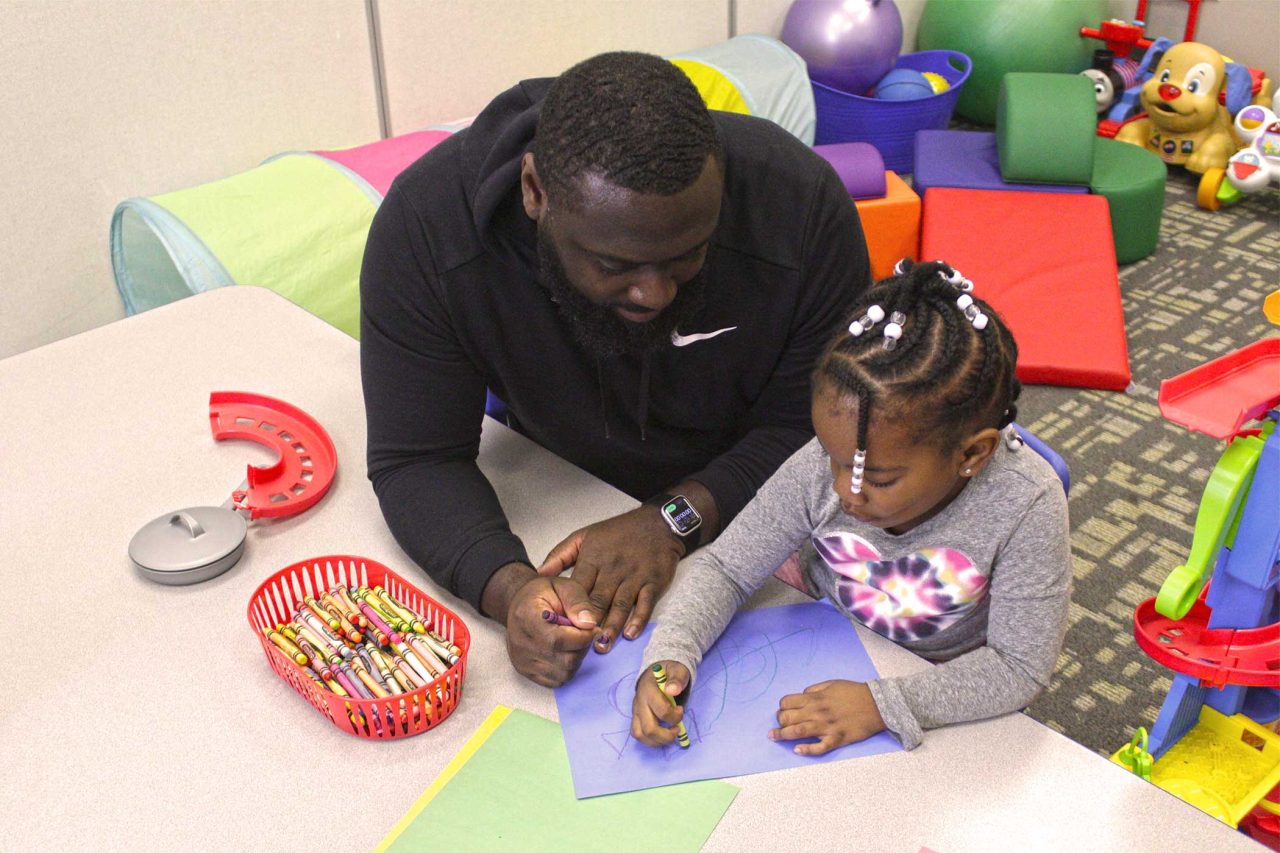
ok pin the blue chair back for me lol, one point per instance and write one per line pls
(1050, 455)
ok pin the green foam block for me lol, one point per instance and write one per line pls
(1132, 181)
(1045, 126)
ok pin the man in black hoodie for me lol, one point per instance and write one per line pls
(646, 285)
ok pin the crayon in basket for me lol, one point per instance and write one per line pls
(363, 643)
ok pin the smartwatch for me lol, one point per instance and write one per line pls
(681, 517)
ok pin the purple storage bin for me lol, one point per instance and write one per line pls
(891, 125)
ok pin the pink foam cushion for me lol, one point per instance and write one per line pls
(379, 162)
(1047, 263)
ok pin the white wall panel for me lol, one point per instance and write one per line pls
(446, 59)
(106, 99)
(1246, 30)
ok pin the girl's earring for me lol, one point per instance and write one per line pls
(968, 472)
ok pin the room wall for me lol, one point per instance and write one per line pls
(1246, 30)
(446, 59)
(108, 99)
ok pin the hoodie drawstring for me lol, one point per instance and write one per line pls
(604, 411)
(644, 394)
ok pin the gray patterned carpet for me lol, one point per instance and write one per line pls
(1137, 479)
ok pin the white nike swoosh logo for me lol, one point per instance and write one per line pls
(680, 340)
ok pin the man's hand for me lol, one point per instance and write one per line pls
(625, 564)
(835, 712)
(653, 717)
(543, 651)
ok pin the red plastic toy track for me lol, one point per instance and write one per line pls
(1217, 656)
(1218, 397)
(307, 462)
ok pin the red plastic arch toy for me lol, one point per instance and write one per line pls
(307, 462)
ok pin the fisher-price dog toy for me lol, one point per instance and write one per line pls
(1185, 124)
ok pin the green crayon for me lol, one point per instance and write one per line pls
(660, 675)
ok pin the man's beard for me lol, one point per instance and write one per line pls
(597, 328)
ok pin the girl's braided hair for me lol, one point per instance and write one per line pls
(947, 371)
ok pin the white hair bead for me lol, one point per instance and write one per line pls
(893, 330)
(964, 301)
(864, 323)
(980, 322)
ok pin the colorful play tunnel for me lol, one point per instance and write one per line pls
(756, 75)
(297, 224)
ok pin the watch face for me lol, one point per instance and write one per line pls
(683, 517)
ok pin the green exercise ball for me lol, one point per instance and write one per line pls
(1009, 35)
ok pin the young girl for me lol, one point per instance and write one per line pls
(921, 515)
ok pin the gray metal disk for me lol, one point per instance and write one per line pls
(189, 546)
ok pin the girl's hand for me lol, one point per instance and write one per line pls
(653, 716)
(835, 712)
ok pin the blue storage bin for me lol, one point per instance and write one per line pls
(891, 125)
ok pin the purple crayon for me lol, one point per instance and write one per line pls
(556, 618)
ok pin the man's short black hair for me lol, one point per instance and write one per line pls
(633, 118)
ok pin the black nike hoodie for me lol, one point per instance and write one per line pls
(451, 305)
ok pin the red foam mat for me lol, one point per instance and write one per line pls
(1048, 264)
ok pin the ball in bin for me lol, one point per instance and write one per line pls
(903, 84)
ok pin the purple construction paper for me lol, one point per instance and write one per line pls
(762, 656)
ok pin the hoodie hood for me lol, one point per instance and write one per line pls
(492, 148)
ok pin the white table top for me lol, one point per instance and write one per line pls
(160, 726)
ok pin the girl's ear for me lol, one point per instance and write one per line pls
(976, 451)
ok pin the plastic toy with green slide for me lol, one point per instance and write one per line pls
(1214, 622)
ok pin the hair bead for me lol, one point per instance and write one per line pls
(893, 330)
(859, 464)
(864, 323)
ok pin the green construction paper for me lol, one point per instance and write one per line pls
(515, 793)
(296, 225)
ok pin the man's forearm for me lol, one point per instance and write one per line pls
(502, 587)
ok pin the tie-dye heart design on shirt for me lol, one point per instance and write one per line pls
(908, 598)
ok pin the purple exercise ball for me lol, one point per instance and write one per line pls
(847, 44)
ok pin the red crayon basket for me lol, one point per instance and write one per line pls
(392, 717)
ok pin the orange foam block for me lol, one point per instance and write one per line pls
(891, 225)
(1047, 263)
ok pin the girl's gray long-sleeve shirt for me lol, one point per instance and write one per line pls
(982, 587)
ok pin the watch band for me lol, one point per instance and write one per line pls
(692, 539)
